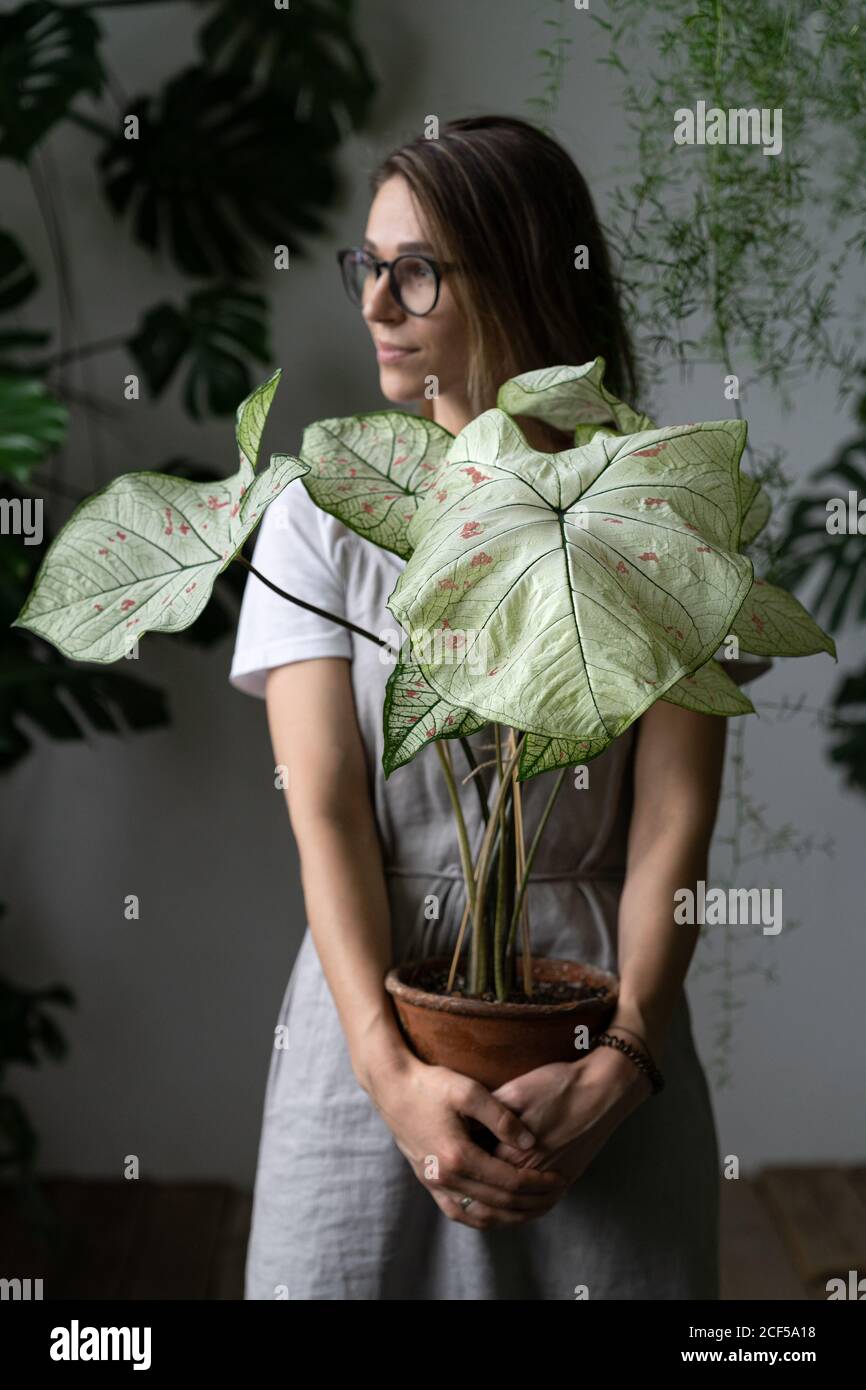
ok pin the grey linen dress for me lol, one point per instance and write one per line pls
(338, 1213)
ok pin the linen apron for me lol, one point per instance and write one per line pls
(338, 1213)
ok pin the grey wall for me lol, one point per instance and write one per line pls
(171, 1041)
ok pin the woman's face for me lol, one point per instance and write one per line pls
(434, 362)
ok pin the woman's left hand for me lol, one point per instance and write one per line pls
(572, 1108)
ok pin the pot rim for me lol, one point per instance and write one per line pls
(483, 1008)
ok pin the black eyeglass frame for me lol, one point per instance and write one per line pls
(378, 266)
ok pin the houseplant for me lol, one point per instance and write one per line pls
(523, 570)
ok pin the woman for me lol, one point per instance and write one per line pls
(346, 1202)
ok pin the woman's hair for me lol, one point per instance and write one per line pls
(509, 205)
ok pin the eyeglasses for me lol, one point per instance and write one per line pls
(414, 281)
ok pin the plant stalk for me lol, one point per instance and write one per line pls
(533, 848)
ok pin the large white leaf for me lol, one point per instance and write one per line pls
(142, 555)
(710, 690)
(415, 715)
(772, 622)
(594, 579)
(570, 399)
(371, 471)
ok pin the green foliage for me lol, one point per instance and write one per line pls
(49, 54)
(723, 249)
(309, 50)
(213, 334)
(216, 160)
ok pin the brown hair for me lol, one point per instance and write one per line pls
(509, 205)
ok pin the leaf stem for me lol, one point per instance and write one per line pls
(312, 608)
(533, 848)
(462, 835)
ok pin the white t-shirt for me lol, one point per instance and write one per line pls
(302, 549)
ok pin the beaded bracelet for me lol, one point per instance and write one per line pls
(639, 1058)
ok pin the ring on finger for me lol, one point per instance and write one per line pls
(466, 1202)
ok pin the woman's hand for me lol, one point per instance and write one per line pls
(572, 1109)
(427, 1109)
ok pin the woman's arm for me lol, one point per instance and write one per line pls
(315, 736)
(677, 779)
(314, 733)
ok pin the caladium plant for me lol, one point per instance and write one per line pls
(552, 596)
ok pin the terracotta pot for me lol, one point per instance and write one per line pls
(495, 1042)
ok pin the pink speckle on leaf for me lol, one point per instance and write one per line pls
(401, 459)
(492, 671)
(121, 535)
(215, 505)
(470, 528)
(655, 501)
(650, 453)
(189, 588)
(103, 551)
(622, 567)
(441, 494)
(648, 555)
(613, 520)
(430, 732)
(367, 507)
(127, 603)
(482, 558)
(757, 620)
(412, 693)
(446, 584)
(98, 607)
(704, 550)
(476, 475)
(689, 526)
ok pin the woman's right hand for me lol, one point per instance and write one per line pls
(426, 1108)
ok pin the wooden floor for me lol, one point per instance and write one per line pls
(784, 1234)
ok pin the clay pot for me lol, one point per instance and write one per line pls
(493, 1042)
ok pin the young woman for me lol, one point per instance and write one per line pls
(467, 277)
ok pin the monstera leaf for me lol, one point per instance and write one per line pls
(372, 471)
(142, 555)
(222, 171)
(217, 329)
(48, 54)
(593, 580)
(311, 49)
